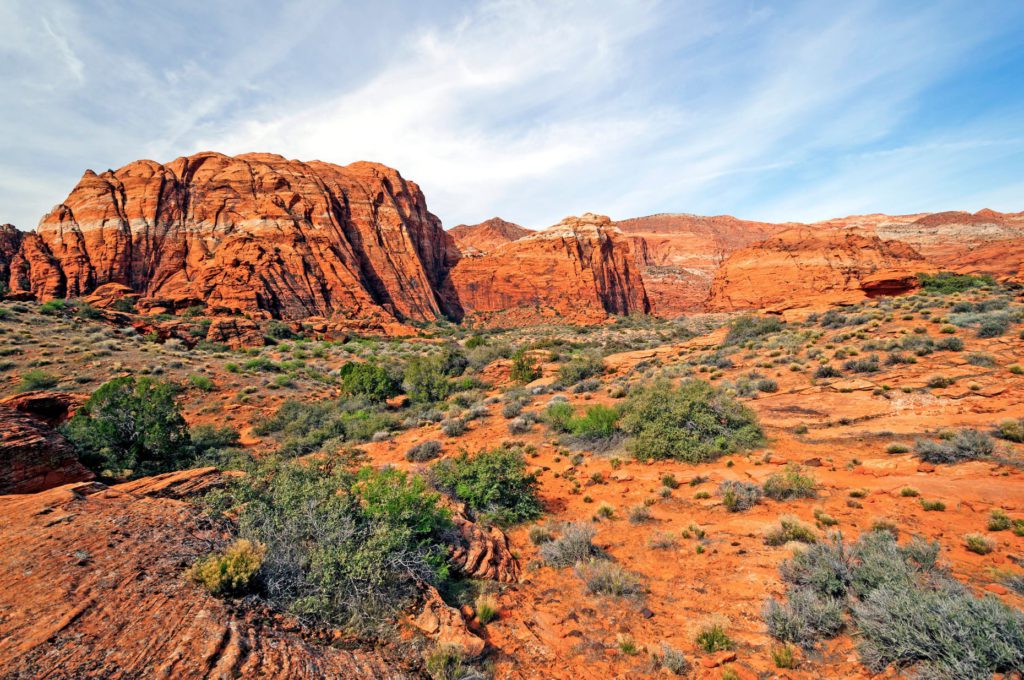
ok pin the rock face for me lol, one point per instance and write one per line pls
(254, 233)
(34, 456)
(582, 269)
(807, 267)
(681, 254)
(476, 239)
(94, 589)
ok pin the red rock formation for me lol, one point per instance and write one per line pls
(235, 332)
(582, 269)
(682, 253)
(53, 408)
(253, 233)
(33, 456)
(482, 552)
(476, 239)
(91, 586)
(806, 267)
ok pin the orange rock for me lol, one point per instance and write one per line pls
(582, 269)
(803, 268)
(33, 456)
(477, 239)
(251, 233)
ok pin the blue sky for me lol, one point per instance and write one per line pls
(536, 110)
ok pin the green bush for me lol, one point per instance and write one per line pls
(559, 415)
(54, 307)
(598, 422)
(369, 381)
(37, 379)
(694, 422)
(580, 368)
(493, 484)
(1012, 430)
(424, 451)
(131, 427)
(425, 380)
(713, 639)
(201, 382)
(790, 529)
(306, 427)
(230, 572)
(524, 368)
(790, 483)
(946, 283)
(750, 327)
(278, 330)
(343, 547)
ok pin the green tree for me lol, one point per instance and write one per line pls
(425, 380)
(494, 484)
(131, 428)
(369, 380)
(524, 367)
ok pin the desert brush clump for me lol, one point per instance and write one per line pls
(230, 572)
(790, 483)
(604, 577)
(907, 610)
(739, 496)
(574, 544)
(964, 445)
(494, 484)
(694, 422)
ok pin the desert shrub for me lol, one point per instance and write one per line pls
(694, 422)
(940, 381)
(344, 547)
(739, 496)
(790, 483)
(604, 577)
(946, 283)
(942, 632)
(713, 638)
(784, 657)
(673, 660)
(54, 307)
(453, 427)
(486, 609)
(539, 535)
(37, 379)
(965, 445)
(524, 367)
(638, 514)
(790, 529)
(261, 364)
(559, 415)
(598, 422)
(998, 520)
(201, 382)
(131, 427)
(750, 327)
(983, 359)
(453, 360)
(574, 545)
(580, 368)
(827, 371)
(212, 445)
(229, 572)
(979, 543)
(493, 484)
(862, 365)
(424, 451)
(932, 506)
(278, 330)
(306, 427)
(520, 425)
(425, 380)
(1012, 430)
(950, 344)
(370, 381)
(805, 618)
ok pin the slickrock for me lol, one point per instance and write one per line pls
(582, 269)
(254, 233)
(96, 590)
(235, 332)
(34, 456)
(476, 239)
(804, 267)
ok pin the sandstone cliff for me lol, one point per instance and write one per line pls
(682, 252)
(808, 267)
(475, 239)
(255, 233)
(582, 269)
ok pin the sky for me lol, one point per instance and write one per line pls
(532, 111)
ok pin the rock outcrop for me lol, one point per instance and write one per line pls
(91, 586)
(254, 233)
(681, 254)
(807, 267)
(477, 239)
(33, 456)
(482, 552)
(582, 270)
